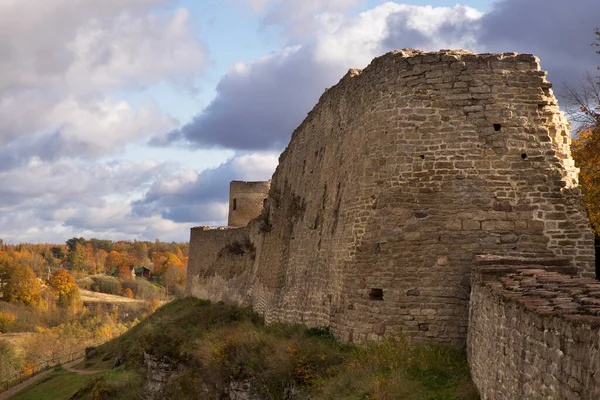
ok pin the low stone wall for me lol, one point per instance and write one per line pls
(534, 333)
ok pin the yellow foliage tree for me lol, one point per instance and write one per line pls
(64, 286)
(21, 285)
(61, 281)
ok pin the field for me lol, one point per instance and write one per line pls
(89, 297)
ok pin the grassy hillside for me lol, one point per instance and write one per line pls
(214, 345)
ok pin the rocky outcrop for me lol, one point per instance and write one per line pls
(159, 374)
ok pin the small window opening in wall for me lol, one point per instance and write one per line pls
(497, 127)
(422, 156)
(524, 156)
(234, 204)
(264, 202)
(376, 294)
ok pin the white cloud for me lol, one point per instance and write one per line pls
(55, 201)
(60, 63)
(63, 61)
(259, 104)
(203, 198)
(299, 19)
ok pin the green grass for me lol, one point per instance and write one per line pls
(62, 384)
(57, 385)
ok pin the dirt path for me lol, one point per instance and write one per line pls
(23, 385)
(80, 371)
(27, 382)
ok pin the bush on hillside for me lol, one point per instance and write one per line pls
(215, 345)
(7, 319)
(144, 289)
(106, 284)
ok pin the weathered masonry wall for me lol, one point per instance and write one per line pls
(534, 334)
(246, 201)
(223, 259)
(400, 175)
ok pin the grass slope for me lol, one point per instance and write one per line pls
(214, 345)
(58, 385)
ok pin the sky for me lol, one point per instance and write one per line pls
(127, 119)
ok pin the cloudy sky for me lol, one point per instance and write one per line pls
(126, 119)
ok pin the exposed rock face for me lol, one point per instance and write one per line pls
(159, 373)
(396, 180)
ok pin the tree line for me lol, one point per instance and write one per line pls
(25, 269)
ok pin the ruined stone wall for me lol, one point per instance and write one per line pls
(534, 334)
(400, 175)
(222, 260)
(246, 201)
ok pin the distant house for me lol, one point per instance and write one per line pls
(144, 272)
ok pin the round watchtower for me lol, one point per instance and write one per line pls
(246, 201)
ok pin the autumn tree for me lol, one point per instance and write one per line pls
(66, 290)
(124, 272)
(19, 284)
(115, 259)
(586, 143)
(77, 257)
(159, 261)
(101, 255)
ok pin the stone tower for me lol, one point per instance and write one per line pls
(246, 200)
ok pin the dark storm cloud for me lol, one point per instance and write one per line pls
(258, 106)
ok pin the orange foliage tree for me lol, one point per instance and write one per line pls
(61, 282)
(124, 272)
(64, 286)
(586, 144)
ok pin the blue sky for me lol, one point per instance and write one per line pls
(126, 119)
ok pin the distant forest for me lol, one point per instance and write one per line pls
(166, 262)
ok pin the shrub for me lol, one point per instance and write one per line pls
(144, 289)
(128, 293)
(106, 284)
(27, 369)
(7, 319)
(153, 305)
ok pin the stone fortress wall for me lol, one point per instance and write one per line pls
(400, 177)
